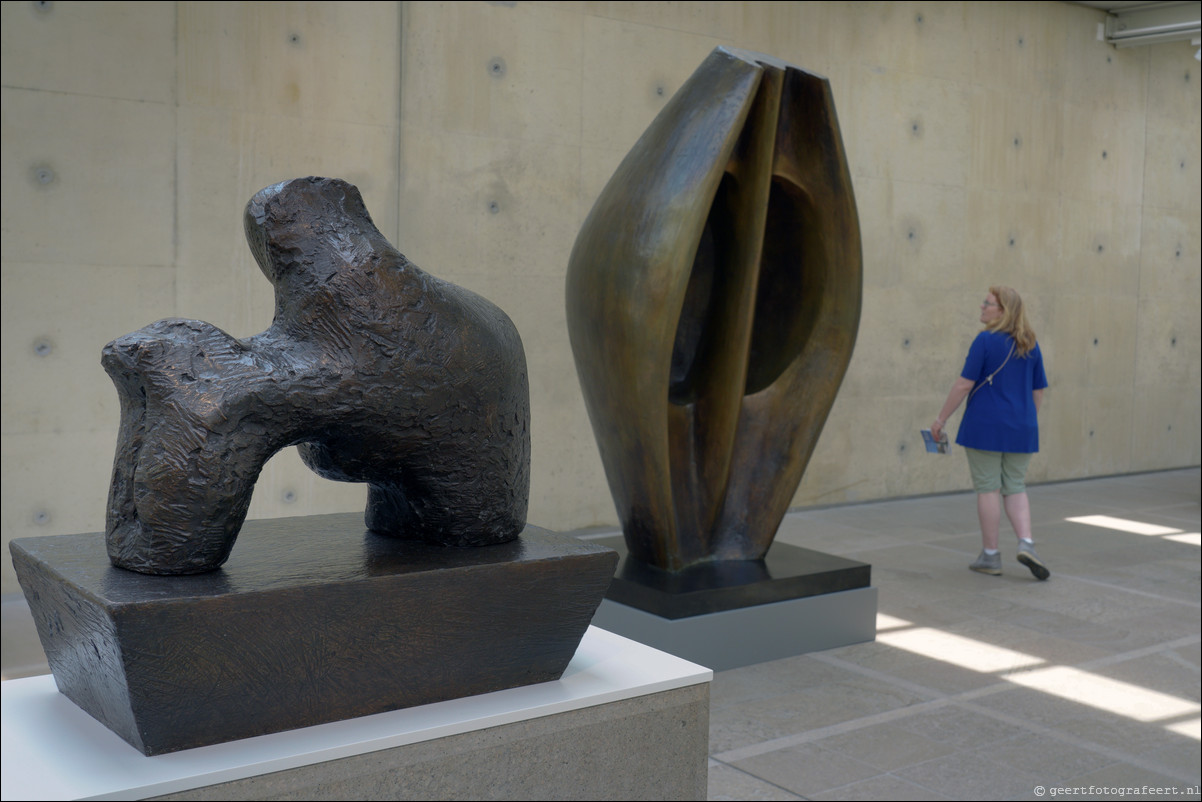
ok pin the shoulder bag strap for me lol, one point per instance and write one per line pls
(989, 379)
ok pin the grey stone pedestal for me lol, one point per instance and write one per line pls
(623, 722)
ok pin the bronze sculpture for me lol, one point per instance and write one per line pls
(380, 373)
(713, 298)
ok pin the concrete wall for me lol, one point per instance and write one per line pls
(988, 142)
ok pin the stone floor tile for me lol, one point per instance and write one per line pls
(1152, 626)
(912, 669)
(1081, 541)
(943, 612)
(886, 786)
(966, 603)
(1182, 759)
(960, 776)
(1103, 494)
(886, 746)
(774, 678)
(1173, 579)
(1054, 761)
(807, 770)
(1090, 726)
(1161, 671)
(932, 670)
(1190, 654)
(855, 697)
(729, 783)
(1089, 601)
(962, 728)
(1007, 634)
(1058, 625)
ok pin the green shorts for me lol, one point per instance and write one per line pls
(998, 470)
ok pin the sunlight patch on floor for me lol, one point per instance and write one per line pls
(884, 623)
(1124, 525)
(957, 650)
(1190, 729)
(1103, 693)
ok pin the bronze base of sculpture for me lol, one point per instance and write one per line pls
(317, 620)
(787, 572)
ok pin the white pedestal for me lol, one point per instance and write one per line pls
(53, 750)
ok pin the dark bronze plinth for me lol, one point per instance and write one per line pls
(786, 573)
(316, 620)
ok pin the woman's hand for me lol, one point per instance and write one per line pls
(959, 391)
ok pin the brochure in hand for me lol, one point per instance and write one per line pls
(935, 446)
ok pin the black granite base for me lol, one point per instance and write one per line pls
(787, 572)
(312, 620)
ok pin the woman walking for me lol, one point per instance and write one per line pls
(1003, 380)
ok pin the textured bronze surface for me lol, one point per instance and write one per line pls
(713, 299)
(316, 620)
(380, 372)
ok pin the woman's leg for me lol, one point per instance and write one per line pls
(1014, 493)
(986, 470)
(989, 511)
(1018, 510)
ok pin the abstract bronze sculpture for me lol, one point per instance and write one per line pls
(713, 298)
(379, 372)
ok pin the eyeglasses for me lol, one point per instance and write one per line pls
(989, 303)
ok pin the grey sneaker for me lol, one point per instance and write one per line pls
(988, 564)
(1028, 557)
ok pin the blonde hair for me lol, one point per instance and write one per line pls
(1013, 320)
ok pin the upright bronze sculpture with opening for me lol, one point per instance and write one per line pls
(713, 299)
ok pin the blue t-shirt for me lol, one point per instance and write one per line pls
(1001, 414)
